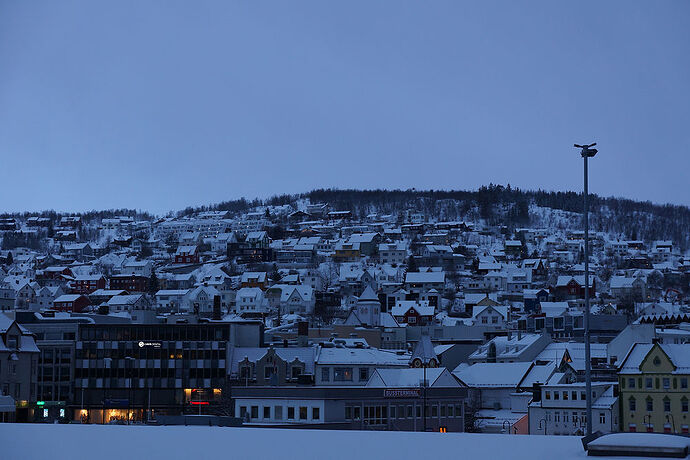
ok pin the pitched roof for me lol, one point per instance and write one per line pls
(493, 375)
(425, 277)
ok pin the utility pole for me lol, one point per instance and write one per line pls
(424, 408)
(587, 152)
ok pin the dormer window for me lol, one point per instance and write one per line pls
(12, 342)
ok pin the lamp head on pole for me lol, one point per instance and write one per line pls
(587, 150)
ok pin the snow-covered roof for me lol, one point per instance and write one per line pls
(421, 307)
(307, 355)
(365, 356)
(412, 378)
(493, 375)
(425, 277)
(679, 354)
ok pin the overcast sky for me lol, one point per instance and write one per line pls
(160, 105)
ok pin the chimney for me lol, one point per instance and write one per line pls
(536, 392)
(302, 333)
(216, 308)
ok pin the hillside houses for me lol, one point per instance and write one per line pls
(318, 306)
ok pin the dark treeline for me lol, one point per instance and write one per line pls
(507, 205)
(496, 204)
(87, 215)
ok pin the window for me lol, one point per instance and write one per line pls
(325, 374)
(583, 395)
(557, 416)
(348, 413)
(269, 371)
(684, 404)
(556, 395)
(267, 411)
(434, 410)
(243, 411)
(255, 412)
(418, 411)
(485, 320)
(443, 411)
(684, 382)
(278, 412)
(363, 374)
(302, 413)
(291, 413)
(667, 405)
(632, 404)
(342, 374)
(565, 396)
(667, 383)
(409, 411)
(315, 413)
(573, 395)
(494, 319)
(602, 417)
(648, 383)
(631, 383)
(547, 395)
(296, 371)
(650, 405)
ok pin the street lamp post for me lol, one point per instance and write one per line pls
(586, 151)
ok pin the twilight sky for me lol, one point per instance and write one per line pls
(158, 105)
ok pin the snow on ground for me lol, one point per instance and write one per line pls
(112, 442)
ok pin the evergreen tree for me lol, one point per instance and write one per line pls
(412, 265)
(153, 284)
(10, 258)
(275, 274)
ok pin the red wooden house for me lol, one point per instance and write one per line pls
(130, 283)
(187, 255)
(86, 284)
(412, 312)
(74, 303)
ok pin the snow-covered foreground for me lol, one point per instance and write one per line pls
(35, 441)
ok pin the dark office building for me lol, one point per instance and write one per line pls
(137, 371)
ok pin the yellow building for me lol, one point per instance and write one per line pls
(653, 382)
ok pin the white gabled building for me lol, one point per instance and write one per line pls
(250, 300)
(560, 407)
(174, 300)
